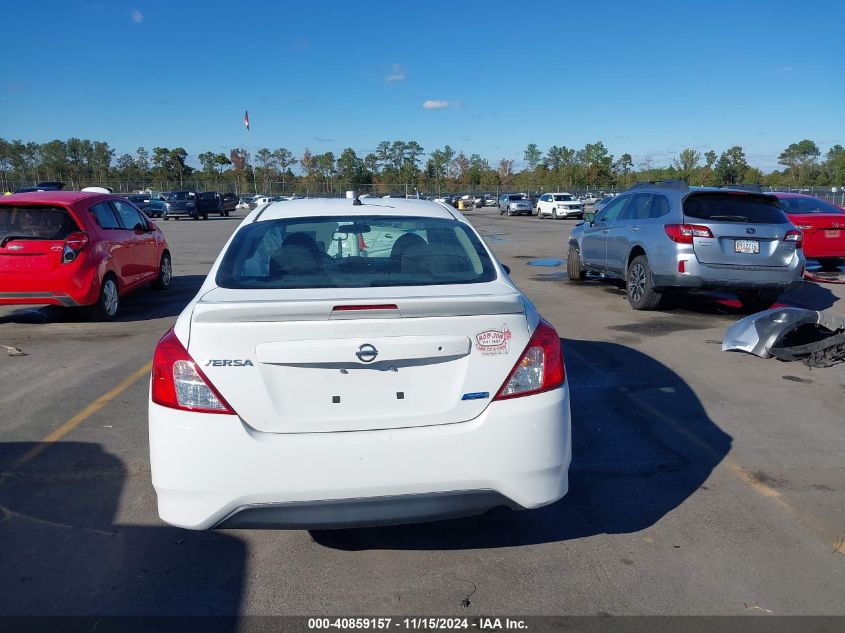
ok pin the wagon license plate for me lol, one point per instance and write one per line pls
(832, 233)
(746, 246)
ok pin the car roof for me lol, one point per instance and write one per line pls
(343, 206)
(790, 194)
(55, 197)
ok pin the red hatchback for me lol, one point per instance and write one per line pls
(73, 248)
(823, 225)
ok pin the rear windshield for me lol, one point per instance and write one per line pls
(354, 252)
(734, 207)
(35, 223)
(808, 205)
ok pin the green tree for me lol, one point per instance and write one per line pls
(835, 165)
(800, 159)
(687, 163)
(731, 167)
(206, 159)
(532, 155)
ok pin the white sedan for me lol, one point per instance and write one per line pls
(353, 364)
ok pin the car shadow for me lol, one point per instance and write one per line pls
(142, 304)
(63, 553)
(642, 443)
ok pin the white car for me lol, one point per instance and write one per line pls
(590, 198)
(559, 206)
(353, 364)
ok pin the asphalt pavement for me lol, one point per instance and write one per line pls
(702, 482)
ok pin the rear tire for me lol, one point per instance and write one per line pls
(165, 273)
(640, 285)
(573, 265)
(757, 300)
(108, 303)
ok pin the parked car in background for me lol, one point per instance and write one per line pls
(210, 202)
(155, 208)
(515, 204)
(559, 206)
(590, 198)
(72, 248)
(601, 204)
(46, 185)
(823, 226)
(660, 238)
(230, 203)
(140, 200)
(180, 204)
(490, 200)
(258, 200)
(261, 410)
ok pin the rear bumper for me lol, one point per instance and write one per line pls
(37, 298)
(698, 275)
(215, 471)
(73, 287)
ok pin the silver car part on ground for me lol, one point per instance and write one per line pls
(789, 334)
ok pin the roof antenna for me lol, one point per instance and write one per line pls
(357, 201)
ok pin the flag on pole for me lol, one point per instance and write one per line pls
(246, 119)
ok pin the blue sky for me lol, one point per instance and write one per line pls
(647, 78)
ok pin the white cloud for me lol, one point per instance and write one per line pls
(396, 74)
(137, 16)
(786, 69)
(439, 104)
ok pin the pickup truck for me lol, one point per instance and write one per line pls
(185, 203)
(230, 203)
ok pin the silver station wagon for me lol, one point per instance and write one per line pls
(668, 236)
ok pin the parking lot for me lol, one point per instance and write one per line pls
(702, 482)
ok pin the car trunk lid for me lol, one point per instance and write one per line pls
(747, 229)
(32, 238)
(388, 362)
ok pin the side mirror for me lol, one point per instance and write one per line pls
(507, 269)
(590, 217)
(139, 229)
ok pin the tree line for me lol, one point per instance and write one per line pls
(82, 162)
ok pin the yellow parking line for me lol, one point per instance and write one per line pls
(87, 412)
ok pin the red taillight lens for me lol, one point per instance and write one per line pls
(76, 241)
(178, 383)
(540, 368)
(796, 237)
(683, 233)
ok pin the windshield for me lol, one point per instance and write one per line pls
(563, 198)
(512, 198)
(36, 223)
(734, 207)
(180, 195)
(808, 205)
(354, 252)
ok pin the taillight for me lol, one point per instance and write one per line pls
(179, 384)
(74, 243)
(540, 368)
(683, 233)
(796, 237)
